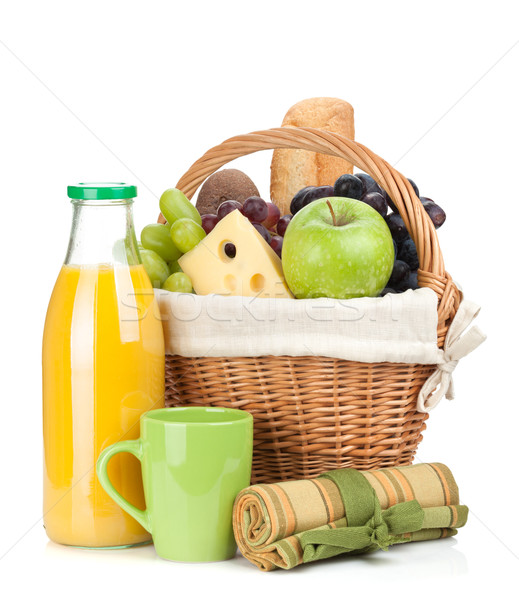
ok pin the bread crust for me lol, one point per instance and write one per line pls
(292, 170)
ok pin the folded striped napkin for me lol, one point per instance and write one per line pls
(281, 525)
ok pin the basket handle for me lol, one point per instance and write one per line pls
(432, 269)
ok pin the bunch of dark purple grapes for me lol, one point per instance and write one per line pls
(265, 217)
(364, 188)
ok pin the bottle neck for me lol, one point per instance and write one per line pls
(102, 233)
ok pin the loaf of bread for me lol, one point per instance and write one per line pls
(292, 170)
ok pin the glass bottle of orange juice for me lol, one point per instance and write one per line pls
(103, 366)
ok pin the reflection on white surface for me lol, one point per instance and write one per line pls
(144, 553)
(474, 561)
(418, 560)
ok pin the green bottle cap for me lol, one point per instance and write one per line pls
(101, 191)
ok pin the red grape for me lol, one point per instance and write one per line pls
(272, 217)
(255, 209)
(316, 193)
(208, 222)
(263, 232)
(414, 186)
(387, 290)
(396, 226)
(227, 207)
(435, 212)
(400, 273)
(297, 201)
(409, 283)
(412, 280)
(376, 201)
(349, 186)
(283, 224)
(407, 252)
(309, 194)
(370, 185)
(276, 243)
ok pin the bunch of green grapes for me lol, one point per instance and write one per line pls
(162, 245)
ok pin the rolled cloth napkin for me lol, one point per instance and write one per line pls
(281, 525)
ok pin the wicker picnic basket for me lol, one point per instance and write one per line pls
(313, 414)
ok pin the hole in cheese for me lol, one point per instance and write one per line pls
(230, 250)
(224, 256)
(257, 282)
(230, 282)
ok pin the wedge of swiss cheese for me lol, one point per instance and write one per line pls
(254, 271)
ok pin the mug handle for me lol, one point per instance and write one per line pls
(133, 447)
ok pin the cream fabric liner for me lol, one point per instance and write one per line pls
(399, 328)
(396, 328)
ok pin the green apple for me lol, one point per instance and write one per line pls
(337, 248)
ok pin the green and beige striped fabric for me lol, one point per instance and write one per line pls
(282, 525)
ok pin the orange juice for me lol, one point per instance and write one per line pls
(103, 366)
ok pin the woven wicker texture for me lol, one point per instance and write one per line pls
(312, 414)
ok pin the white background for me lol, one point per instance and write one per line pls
(136, 91)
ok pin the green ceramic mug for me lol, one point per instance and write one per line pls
(194, 462)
